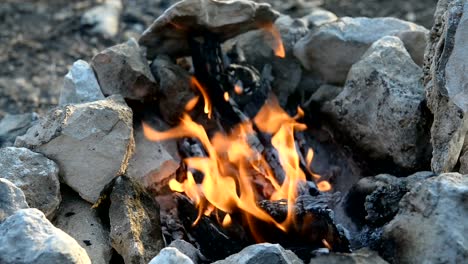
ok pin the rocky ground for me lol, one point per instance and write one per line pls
(39, 40)
(81, 182)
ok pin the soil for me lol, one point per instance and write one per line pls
(40, 39)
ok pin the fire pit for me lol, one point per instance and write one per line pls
(231, 133)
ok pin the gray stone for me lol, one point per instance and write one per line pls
(153, 162)
(319, 17)
(80, 85)
(431, 225)
(122, 69)
(78, 219)
(381, 106)
(171, 255)
(381, 195)
(103, 19)
(361, 256)
(256, 48)
(169, 33)
(35, 175)
(91, 142)
(12, 126)
(446, 61)
(28, 237)
(325, 93)
(175, 88)
(264, 253)
(135, 222)
(333, 48)
(188, 250)
(12, 199)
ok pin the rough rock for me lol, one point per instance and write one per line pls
(12, 199)
(91, 142)
(175, 88)
(28, 237)
(431, 225)
(381, 106)
(325, 93)
(188, 250)
(319, 17)
(153, 162)
(264, 253)
(12, 126)
(170, 32)
(35, 175)
(171, 255)
(256, 49)
(76, 218)
(374, 200)
(361, 256)
(122, 69)
(135, 222)
(103, 19)
(80, 85)
(333, 48)
(446, 61)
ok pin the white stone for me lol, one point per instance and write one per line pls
(91, 142)
(104, 19)
(28, 237)
(170, 255)
(264, 253)
(35, 175)
(12, 199)
(80, 85)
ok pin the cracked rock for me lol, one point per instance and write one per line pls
(35, 175)
(91, 143)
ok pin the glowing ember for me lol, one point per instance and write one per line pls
(277, 44)
(226, 96)
(235, 175)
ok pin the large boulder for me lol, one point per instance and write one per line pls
(80, 85)
(35, 175)
(28, 237)
(446, 61)
(12, 199)
(77, 218)
(264, 253)
(169, 34)
(431, 225)
(91, 142)
(381, 108)
(122, 69)
(331, 49)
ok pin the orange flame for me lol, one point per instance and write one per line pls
(201, 89)
(235, 173)
(277, 44)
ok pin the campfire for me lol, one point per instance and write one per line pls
(227, 132)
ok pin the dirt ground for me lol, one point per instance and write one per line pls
(40, 39)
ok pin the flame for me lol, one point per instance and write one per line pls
(277, 44)
(226, 96)
(235, 174)
(202, 90)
